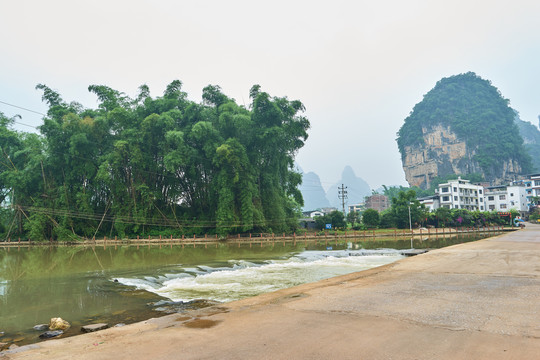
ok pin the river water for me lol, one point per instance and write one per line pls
(125, 284)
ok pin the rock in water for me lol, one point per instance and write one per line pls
(58, 324)
(94, 327)
(41, 327)
(50, 334)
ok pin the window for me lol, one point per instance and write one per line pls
(481, 208)
(444, 189)
(455, 198)
(503, 206)
(491, 207)
(456, 206)
(455, 189)
(491, 198)
(511, 194)
(502, 197)
(480, 191)
(481, 199)
(445, 198)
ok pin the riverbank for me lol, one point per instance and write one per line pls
(469, 301)
(265, 238)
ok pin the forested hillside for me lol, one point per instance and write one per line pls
(163, 165)
(476, 112)
(531, 138)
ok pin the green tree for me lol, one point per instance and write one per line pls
(149, 165)
(371, 218)
(404, 204)
(337, 219)
(353, 217)
(443, 216)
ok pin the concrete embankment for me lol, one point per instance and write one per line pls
(471, 301)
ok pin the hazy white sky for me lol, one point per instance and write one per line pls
(359, 67)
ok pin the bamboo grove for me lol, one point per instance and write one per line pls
(148, 166)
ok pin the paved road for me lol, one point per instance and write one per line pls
(471, 301)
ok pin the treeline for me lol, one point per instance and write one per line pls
(148, 166)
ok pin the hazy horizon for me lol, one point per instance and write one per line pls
(359, 67)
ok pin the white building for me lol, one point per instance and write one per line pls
(507, 197)
(357, 207)
(535, 184)
(461, 194)
(432, 203)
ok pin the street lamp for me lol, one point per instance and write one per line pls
(410, 224)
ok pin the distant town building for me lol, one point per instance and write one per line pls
(357, 207)
(461, 194)
(327, 210)
(432, 203)
(378, 202)
(507, 197)
(535, 184)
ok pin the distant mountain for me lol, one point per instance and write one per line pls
(531, 140)
(463, 126)
(357, 189)
(313, 192)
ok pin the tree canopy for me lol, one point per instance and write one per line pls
(149, 165)
(478, 114)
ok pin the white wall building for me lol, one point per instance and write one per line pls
(461, 194)
(535, 184)
(357, 207)
(507, 197)
(432, 203)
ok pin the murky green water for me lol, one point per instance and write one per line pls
(125, 284)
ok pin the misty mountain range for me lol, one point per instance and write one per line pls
(316, 197)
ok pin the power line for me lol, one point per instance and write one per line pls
(22, 108)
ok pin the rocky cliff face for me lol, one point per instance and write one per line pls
(443, 154)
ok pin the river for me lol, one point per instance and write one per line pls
(125, 284)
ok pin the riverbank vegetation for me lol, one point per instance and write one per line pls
(164, 165)
(406, 211)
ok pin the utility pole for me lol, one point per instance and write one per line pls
(342, 195)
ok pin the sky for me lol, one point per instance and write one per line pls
(359, 67)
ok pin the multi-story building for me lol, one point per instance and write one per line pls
(507, 197)
(378, 202)
(461, 194)
(535, 184)
(357, 207)
(532, 187)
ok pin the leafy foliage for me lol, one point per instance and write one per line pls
(398, 214)
(353, 217)
(531, 137)
(371, 218)
(144, 165)
(336, 218)
(475, 110)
